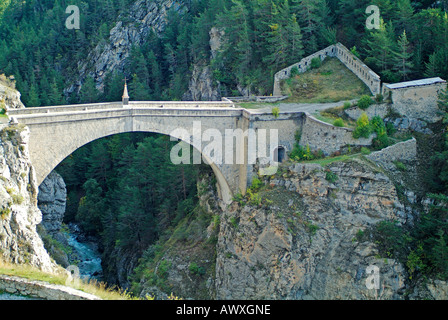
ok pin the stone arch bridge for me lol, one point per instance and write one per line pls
(56, 132)
(248, 137)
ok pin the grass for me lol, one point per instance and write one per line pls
(332, 82)
(328, 160)
(96, 288)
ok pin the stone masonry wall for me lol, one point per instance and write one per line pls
(303, 65)
(328, 138)
(404, 152)
(42, 290)
(359, 68)
(417, 102)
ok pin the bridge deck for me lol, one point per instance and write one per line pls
(119, 105)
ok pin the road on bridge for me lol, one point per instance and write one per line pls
(290, 107)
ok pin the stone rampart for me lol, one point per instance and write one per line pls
(405, 152)
(353, 63)
(303, 65)
(319, 135)
(359, 68)
(416, 99)
(380, 110)
(41, 290)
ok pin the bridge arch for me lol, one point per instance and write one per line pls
(223, 188)
(55, 135)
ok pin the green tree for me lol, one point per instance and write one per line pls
(403, 57)
(91, 207)
(379, 49)
(55, 96)
(363, 128)
(88, 92)
(33, 97)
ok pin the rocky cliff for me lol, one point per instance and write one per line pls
(130, 30)
(306, 232)
(19, 215)
(303, 244)
(52, 199)
(9, 96)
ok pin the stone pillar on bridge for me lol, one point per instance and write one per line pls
(125, 96)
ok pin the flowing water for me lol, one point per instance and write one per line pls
(86, 253)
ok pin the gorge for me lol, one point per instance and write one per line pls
(116, 207)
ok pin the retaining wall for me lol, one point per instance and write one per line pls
(403, 151)
(41, 290)
(416, 101)
(323, 136)
(353, 63)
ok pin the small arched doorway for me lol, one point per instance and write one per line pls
(280, 154)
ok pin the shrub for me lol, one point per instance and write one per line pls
(379, 98)
(301, 153)
(400, 165)
(382, 140)
(316, 63)
(365, 151)
(364, 102)
(363, 129)
(339, 123)
(195, 269)
(330, 176)
(390, 129)
(276, 112)
(256, 184)
(347, 105)
(294, 72)
(234, 222)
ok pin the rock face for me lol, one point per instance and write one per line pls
(144, 17)
(10, 96)
(186, 266)
(19, 215)
(52, 200)
(304, 244)
(202, 86)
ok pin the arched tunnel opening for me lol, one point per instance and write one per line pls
(122, 195)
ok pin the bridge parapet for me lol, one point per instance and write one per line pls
(119, 105)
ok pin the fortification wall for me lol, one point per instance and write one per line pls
(359, 68)
(303, 65)
(403, 151)
(328, 138)
(353, 63)
(41, 290)
(416, 102)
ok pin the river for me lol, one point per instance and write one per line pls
(85, 253)
(85, 256)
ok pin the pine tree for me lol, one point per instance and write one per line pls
(403, 56)
(379, 50)
(312, 14)
(88, 92)
(33, 97)
(405, 16)
(138, 91)
(55, 95)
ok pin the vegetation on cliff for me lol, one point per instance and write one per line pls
(258, 39)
